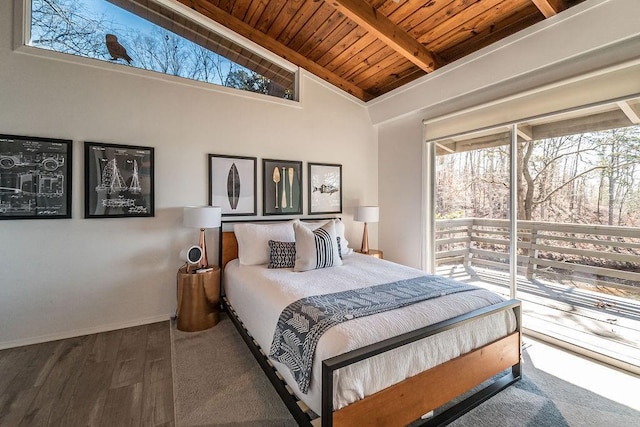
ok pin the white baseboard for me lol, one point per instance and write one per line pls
(87, 331)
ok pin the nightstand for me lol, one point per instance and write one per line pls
(373, 252)
(198, 299)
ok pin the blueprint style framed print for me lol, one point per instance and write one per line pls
(35, 177)
(325, 188)
(118, 181)
(232, 184)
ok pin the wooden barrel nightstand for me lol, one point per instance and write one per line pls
(198, 299)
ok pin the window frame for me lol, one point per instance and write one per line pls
(22, 34)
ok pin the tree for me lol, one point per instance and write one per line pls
(69, 26)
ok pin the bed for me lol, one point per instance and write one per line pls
(448, 345)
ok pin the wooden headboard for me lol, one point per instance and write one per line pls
(228, 247)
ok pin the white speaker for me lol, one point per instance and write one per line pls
(191, 255)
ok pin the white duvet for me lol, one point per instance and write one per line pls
(259, 295)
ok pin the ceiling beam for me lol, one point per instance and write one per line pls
(234, 24)
(525, 132)
(550, 8)
(628, 110)
(381, 27)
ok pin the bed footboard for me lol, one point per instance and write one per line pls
(434, 387)
(419, 394)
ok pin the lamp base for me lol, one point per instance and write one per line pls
(364, 248)
(203, 245)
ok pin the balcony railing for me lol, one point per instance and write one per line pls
(598, 255)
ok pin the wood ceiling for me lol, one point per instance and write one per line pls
(370, 47)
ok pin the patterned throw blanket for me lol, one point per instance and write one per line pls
(302, 323)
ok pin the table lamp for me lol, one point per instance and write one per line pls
(366, 214)
(202, 217)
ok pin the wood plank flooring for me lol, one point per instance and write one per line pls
(117, 378)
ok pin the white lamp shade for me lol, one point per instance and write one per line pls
(202, 216)
(367, 214)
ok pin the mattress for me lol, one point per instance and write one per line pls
(258, 295)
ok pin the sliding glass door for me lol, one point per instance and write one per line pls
(472, 210)
(572, 180)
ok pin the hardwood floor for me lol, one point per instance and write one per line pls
(117, 378)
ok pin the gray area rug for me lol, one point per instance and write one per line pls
(217, 382)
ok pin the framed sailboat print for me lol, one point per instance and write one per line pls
(119, 181)
(232, 184)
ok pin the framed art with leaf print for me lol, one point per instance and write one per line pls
(232, 184)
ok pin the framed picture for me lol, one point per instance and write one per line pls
(35, 177)
(232, 184)
(118, 181)
(282, 187)
(325, 188)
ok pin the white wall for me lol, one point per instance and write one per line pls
(556, 64)
(67, 277)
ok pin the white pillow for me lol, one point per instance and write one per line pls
(253, 240)
(344, 243)
(317, 248)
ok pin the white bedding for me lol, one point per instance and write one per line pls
(259, 295)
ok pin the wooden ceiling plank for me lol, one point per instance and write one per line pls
(301, 19)
(346, 48)
(550, 8)
(381, 90)
(428, 18)
(371, 54)
(477, 24)
(308, 31)
(326, 28)
(287, 13)
(332, 42)
(270, 15)
(457, 21)
(240, 8)
(389, 71)
(514, 23)
(226, 5)
(414, 12)
(255, 12)
(378, 24)
(385, 64)
(270, 44)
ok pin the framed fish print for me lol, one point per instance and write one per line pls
(232, 184)
(325, 188)
(118, 181)
(282, 187)
(35, 177)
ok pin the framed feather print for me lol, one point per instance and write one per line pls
(232, 184)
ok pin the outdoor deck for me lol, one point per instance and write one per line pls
(606, 324)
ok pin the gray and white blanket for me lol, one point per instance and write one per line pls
(302, 323)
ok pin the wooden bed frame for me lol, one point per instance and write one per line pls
(405, 402)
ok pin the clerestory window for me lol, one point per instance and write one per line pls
(163, 41)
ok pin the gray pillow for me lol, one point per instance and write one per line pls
(281, 254)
